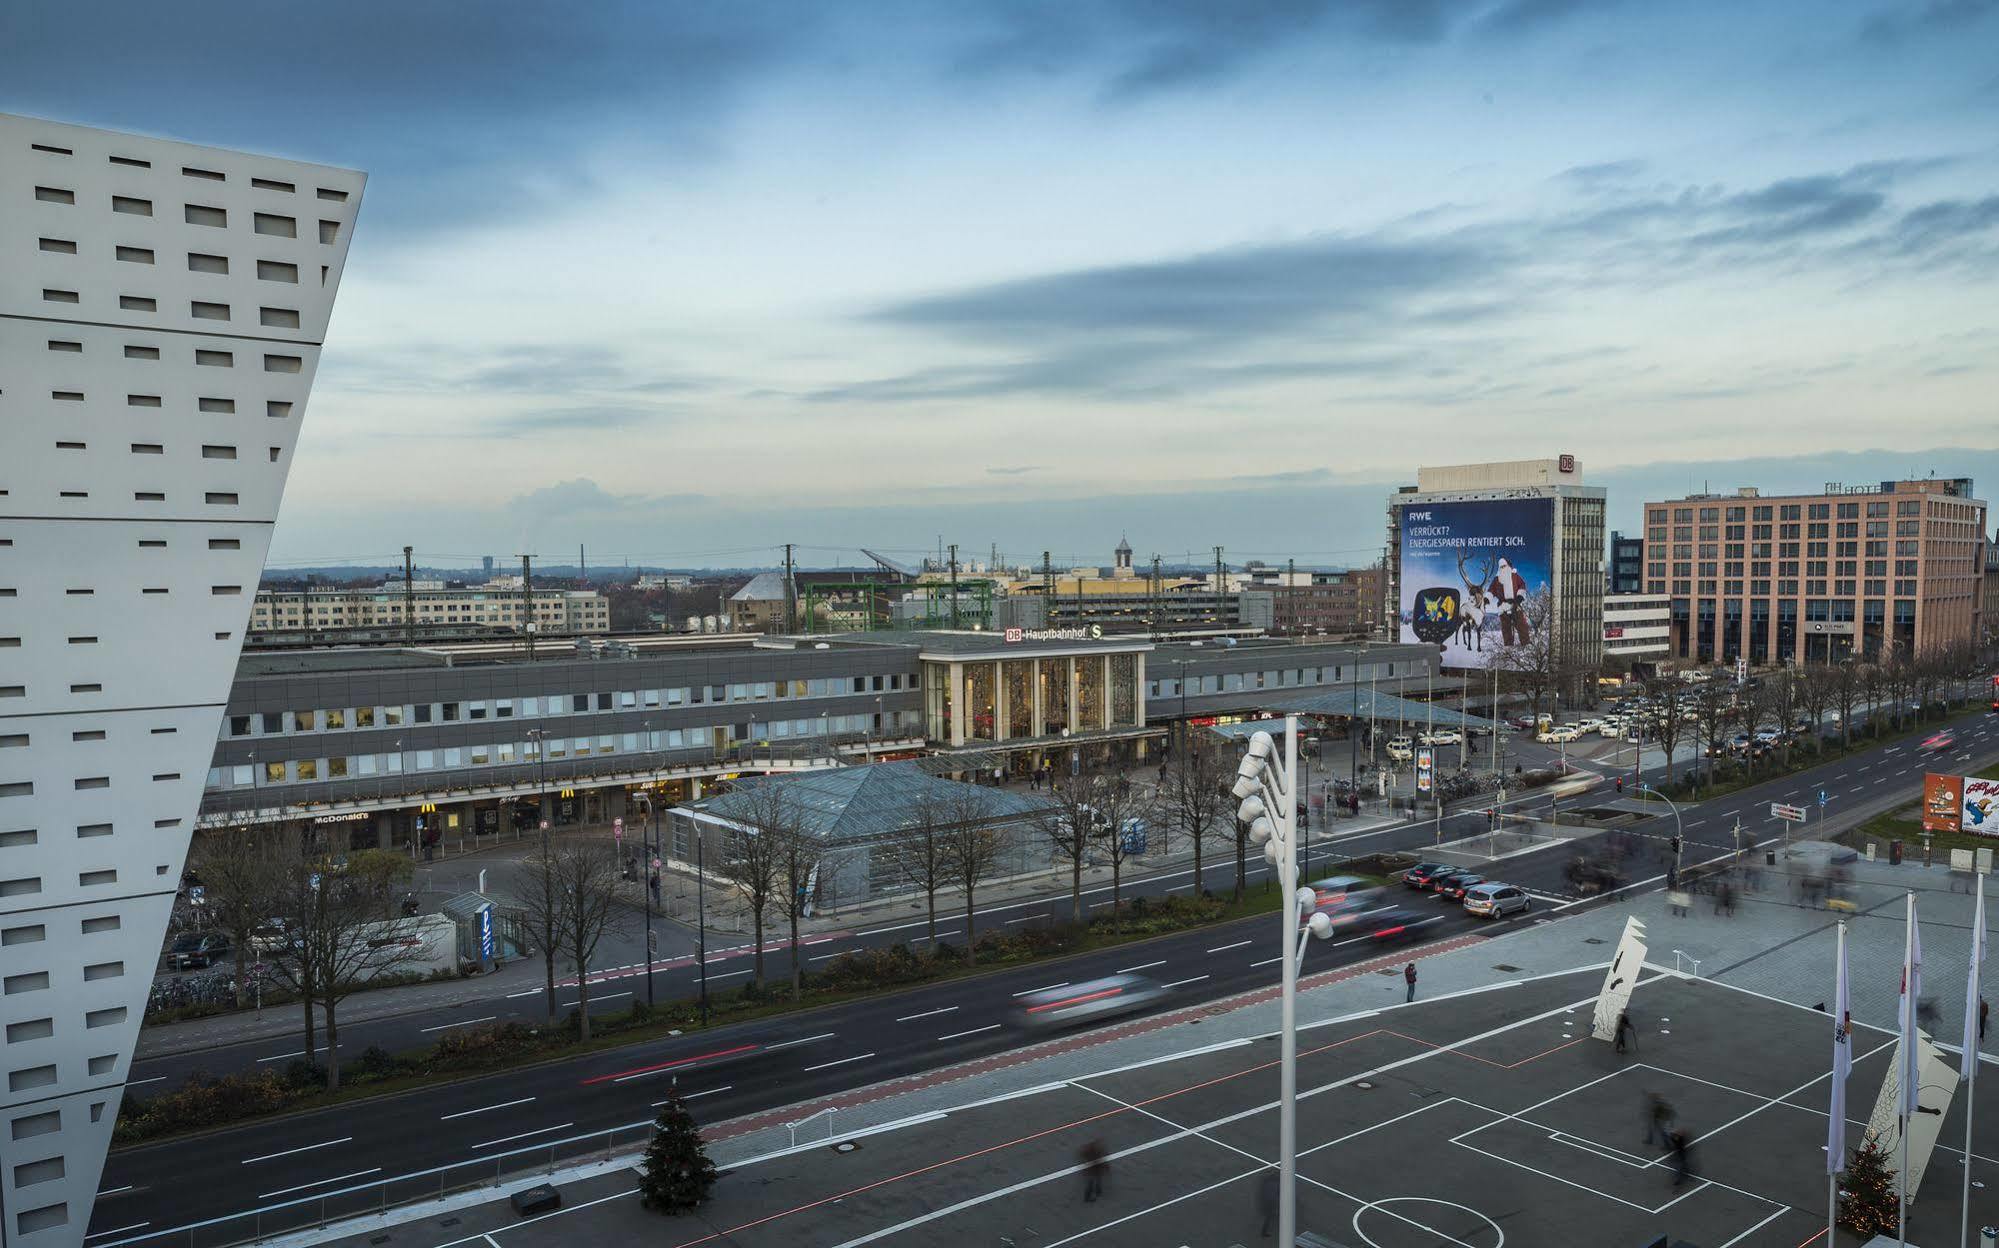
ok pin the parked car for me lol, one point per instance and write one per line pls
(1494, 900)
(270, 938)
(1586, 726)
(1400, 750)
(1458, 887)
(1420, 875)
(197, 950)
(1443, 736)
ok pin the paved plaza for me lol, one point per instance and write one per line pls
(1485, 1104)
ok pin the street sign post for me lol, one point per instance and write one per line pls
(618, 830)
(1789, 814)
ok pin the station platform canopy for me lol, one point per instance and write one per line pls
(1358, 704)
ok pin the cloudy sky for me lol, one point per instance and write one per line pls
(686, 280)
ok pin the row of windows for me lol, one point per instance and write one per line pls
(271, 224)
(1237, 682)
(206, 175)
(505, 753)
(340, 719)
(198, 262)
(209, 450)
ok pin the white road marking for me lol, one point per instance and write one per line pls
(279, 1057)
(1031, 991)
(114, 1191)
(824, 1035)
(926, 1014)
(448, 1026)
(467, 1113)
(1025, 918)
(1143, 966)
(1178, 982)
(840, 953)
(338, 1178)
(345, 1139)
(609, 996)
(529, 993)
(133, 1083)
(116, 1230)
(508, 1139)
(688, 1096)
(1225, 948)
(1267, 962)
(956, 1035)
(842, 1062)
(733, 974)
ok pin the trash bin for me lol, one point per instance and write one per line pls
(1894, 853)
(1769, 857)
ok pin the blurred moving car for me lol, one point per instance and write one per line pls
(1494, 900)
(1088, 1002)
(197, 950)
(1941, 741)
(1343, 898)
(1393, 923)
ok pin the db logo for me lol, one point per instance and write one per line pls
(1566, 463)
(1015, 634)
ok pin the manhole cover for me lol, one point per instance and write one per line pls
(846, 1146)
(1501, 966)
(1363, 1084)
(1594, 940)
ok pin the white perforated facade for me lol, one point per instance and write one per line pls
(162, 308)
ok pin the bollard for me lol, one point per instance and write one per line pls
(1988, 1237)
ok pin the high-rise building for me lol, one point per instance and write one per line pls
(1815, 578)
(1627, 564)
(1501, 566)
(162, 308)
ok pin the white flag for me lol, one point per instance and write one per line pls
(1909, 1076)
(1842, 1063)
(1971, 985)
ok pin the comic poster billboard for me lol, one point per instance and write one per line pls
(1477, 577)
(1981, 806)
(1943, 802)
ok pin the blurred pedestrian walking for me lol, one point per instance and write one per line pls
(1096, 1169)
(1266, 1202)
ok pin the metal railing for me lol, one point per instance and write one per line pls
(381, 1195)
(826, 1113)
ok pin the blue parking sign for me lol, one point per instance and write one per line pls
(486, 933)
(1821, 797)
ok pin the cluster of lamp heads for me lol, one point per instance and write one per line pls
(1259, 775)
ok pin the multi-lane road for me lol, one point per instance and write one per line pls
(745, 1068)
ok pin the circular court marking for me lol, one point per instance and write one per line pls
(1499, 1236)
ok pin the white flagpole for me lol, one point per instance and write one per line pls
(1836, 1129)
(1969, 1060)
(1907, 1093)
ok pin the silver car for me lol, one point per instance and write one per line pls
(1087, 1002)
(1494, 900)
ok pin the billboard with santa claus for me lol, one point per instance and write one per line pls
(1477, 577)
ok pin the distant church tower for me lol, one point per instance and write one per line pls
(1123, 556)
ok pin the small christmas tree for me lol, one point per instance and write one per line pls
(675, 1174)
(1868, 1204)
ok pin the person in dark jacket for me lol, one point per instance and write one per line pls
(1096, 1168)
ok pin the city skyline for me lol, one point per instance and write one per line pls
(997, 266)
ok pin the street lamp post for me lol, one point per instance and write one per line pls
(1268, 790)
(651, 838)
(1679, 838)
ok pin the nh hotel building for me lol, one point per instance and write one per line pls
(162, 308)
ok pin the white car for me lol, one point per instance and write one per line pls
(1612, 728)
(1586, 726)
(1398, 748)
(1443, 736)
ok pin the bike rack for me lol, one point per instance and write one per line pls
(826, 1113)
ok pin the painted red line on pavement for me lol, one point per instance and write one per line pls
(683, 1061)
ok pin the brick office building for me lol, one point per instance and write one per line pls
(1815, 578)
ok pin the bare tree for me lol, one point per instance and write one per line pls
(1874, 688)
(1066, 822)
(972, 848)
(920, 856)
(1711, 724)
(1847, 688)
(1117, 828)
(800, 858)
(1749, 711)
(1534, 667)
(539, 906)
(752, 861)
(1195, 797)
(338, 932)
(1781, 699)
(587, 877)
(1814, 689)
(1670, 700)
(241, 880)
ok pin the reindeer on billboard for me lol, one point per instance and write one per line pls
(1471, 609)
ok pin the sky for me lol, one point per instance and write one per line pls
(685, 281)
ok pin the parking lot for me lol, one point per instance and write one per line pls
(1478, 1121)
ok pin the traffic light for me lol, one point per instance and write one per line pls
(1676, 845)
